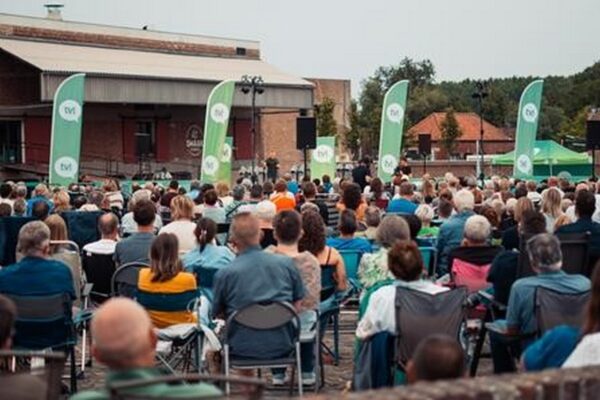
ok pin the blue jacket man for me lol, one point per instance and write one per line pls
(585, 206)
(451, 232)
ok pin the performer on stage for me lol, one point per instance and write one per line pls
(272, 164)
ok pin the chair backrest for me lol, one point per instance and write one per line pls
(99, 270)
(43, 321)
(205, 276)
(351, 261)
(419, 315)
(125, 279)
(82, 226)
(328, 285)
(265, 316)
(554, 308)
(575, 252)
(429, 255)
(20, 362)
(9, 235)
(473, 277)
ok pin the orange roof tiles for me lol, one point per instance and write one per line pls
(468, 122)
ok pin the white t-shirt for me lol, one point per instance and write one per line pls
(102, 246)
(380, 315)
(184, 230)
(586, 353)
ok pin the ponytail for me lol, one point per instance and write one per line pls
(205, 232)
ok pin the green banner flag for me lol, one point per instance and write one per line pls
(527, 124)
(392, 126)
(322, 160)
(226, 158)
(218, 109)
(65, 138)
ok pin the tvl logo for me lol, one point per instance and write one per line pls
(66, 167)
(69, 110)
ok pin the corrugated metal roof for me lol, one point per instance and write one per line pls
(53, 57)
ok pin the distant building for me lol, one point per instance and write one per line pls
(145, 96)
(495, 140)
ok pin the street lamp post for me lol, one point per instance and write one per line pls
(253, 85)
(480, 94)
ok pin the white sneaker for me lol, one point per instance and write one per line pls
(309, 379)
(278, 380)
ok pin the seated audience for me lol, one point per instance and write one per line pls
(309, 191)
(207, 254)
(40, 194)
(17, 386)
(585, 206)
(373, 268)
(166, 278)
(265, 212)
(404, 203)
(6, 190)
(288, 229)
(510, 236)
(372, 220)
(5, 210)
(405, 263)
(283, 198)
(128, 224)
(182, 212)
(113, 195)
(503, 272)
(437, 357)
(19, 208)
(451, 231)
(62, 201)
(425, 214)
(172, 192)
(273, 278)
(551, 208)
(136, 248)
(376, 194)
(108, 225)
(124, 340)
(36, 274)
(346, 241)
(352, 200)
(545, 258)
(211, 209)
(313, 241)
(238, 193)
(225, 197)
(256, 196)
(40, 210)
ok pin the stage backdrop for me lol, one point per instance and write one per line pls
(322, 161)
(527, 124)
(392, 125)
(65, 138)
(216, 121)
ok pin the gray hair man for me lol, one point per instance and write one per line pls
(108, 225)
(546, 260)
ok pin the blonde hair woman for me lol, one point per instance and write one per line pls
(551, 208)
(182, 212)
(62, 201)
(224, 194)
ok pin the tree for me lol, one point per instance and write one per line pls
(353, 136)
(576, 126)
(326, 125)
(450, 131)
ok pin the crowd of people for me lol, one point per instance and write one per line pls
(280, 238)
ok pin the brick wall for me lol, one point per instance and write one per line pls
(20, 83)
(580, 384)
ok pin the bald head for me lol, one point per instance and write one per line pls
(245, 231)
(123, 335)
(108, 225)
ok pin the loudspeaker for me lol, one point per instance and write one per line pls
(593, 135)
(424, 143)
(306, 133)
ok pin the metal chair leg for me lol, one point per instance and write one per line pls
(227, 385)
(299, 369)
(73, 371)
(336, 339)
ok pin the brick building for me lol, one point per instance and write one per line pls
(495, 139)
(145, 96)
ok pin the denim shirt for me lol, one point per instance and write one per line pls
(450, 237)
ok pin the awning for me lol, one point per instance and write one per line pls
(547, 152)
(132, 76)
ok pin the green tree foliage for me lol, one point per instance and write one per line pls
(450, 131)
(326, 125)
(565, 103)
(352, 138)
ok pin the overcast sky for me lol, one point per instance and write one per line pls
(350, 39)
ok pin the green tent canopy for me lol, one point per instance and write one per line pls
(550, 158)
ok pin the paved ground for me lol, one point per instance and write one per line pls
(337, 378)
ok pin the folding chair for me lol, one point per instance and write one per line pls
(70, 256)
(575, 248)
(82, 226)
(419, 315)
(124, 280)
(9, 234)
(99, 269)
(45, 322)
(330, 311)
(351, 262)
(223, 232)
(553, 308)
(46, 365)
(125, 390)
(312, 334)
(262, 318)
(205, 278)
(429, 255)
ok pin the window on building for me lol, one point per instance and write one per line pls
(145, 140)
(10, 142)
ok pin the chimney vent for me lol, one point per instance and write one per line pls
(54, 11)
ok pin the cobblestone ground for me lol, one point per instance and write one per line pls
(337, 378)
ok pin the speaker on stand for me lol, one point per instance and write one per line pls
(306, 137)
